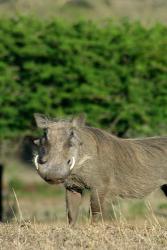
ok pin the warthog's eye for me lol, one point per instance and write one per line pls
(71, 133)
(71, 141)
(45, 134)
(74, 139)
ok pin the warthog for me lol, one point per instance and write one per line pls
(84, 157)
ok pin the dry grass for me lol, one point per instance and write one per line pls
(28, 232)
(147, 11)
(61, 236)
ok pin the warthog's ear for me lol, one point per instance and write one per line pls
(36, 142)
(31, 140)
(79, 121)
(41, 120)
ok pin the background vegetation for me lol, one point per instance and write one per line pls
(114, 72)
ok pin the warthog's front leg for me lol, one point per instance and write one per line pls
(73, 201)
(97, 206)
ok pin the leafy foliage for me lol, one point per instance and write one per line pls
(115, 73)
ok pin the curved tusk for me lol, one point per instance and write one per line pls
(36, 161)
(73, 163)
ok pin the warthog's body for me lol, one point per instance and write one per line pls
(106, 165)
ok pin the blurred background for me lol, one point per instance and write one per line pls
(106, 58)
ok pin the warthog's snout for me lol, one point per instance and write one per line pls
(54, 174)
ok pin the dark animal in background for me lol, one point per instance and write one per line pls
(84, 157)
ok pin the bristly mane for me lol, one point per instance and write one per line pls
(100, 135)
(108, 144)
(102, 139)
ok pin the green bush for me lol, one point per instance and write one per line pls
(115, 73)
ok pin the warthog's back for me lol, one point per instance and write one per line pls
(136, 166)
(141, 165)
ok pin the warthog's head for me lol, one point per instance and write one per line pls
(58, 148)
